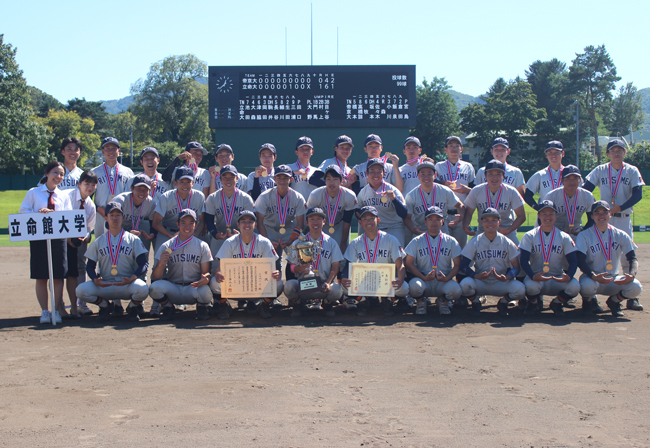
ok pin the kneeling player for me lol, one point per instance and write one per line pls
(186, 262)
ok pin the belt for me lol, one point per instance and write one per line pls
(183, 284)
(620, 215)
(452, 211)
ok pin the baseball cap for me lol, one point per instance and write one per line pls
(500, 141)
(228, 169)
(141, 179)
(223, 146)
(270, 147)
(334, 170)
(184, 172)
(283, 170)
(490, 211)
(426, 164)
(187, 212)
(304, 141)
(368, 209)
(412, 140)
(149, 149)
(433, 210)
(196, 145)
(494, 164)
(372, 138)
(113, 206)
(453, 138)
(343, 139)
(546, 204)
(554, 144)
(372, 162)
(315, 211)
(247, 214)
(569, 170)
(597, 204)
(114, 141)
(616, 142)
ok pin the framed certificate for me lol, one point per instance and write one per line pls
(372, 279)
(248, 278)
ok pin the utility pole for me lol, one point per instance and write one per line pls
(131, 137)
(577, 134)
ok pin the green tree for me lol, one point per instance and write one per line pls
(42, 102)
(94, 111)
(23, 141)
(437, 117)
(592, 77)
(62, 124)
(626, 111)
(170, 104)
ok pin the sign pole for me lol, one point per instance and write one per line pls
(49, 266)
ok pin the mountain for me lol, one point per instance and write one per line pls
(645, 102)
(463, 99)
(117, 106)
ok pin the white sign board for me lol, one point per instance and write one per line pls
(47, 226)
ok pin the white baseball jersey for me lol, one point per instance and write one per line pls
(488, 254)
(135, 216)
(267, 205)
(330, 253)
(347, 202)
(544, 181)
(562, 245)
(409, 176)
(201, 178)
(266, 183)
(589, 244)
(242, 182)
(336, 162)
(214, 206)
(462, 172)
(89, 207)
(71, 178)
(102, 194)
(299, 184)
(184, 264)
(447, 251)
(579, 204)
(481, 198)
(627, 177)
(513, 176)
(360, 170)
(130, 250)
(231, 248)
(388, 249)
(387, 215)
(440, 196)
(167, 206)
(161, 186)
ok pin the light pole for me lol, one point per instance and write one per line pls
(577, 134)
(131, 137)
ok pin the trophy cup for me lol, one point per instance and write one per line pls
(306, 252)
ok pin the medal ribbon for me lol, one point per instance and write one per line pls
(114, 256)
(383, 159)
(618, 179)
(434, 261)
(343, 168)
(571, 216)
(135, 224)
(180, 203)
(559, 177)
(228, 215)
(331, 216)
(241, 247)
(158, 178)
(282, 214)
(607, 253)
(433, 197)
(453, 177)
(489, 201)
(319, 253)
(306, 168)
(179, 245)
(546, 255)
(194, 167)
(374, 254)
(383, 189)
(111, 184)
(417, 159)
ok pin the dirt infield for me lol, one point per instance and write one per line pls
(347, 381)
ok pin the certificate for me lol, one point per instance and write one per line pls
(248, 278)
(372, 279)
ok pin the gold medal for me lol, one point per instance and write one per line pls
(384, 199)
(388, 155)
(351, 172)
(304, 176)
(169, 250)
(452, 185)
(609, 266)
(546, 269)
(111, 197)
(114, 270)
(571, 225)
(282, 230)
(331, 229)
(264, 173)
(192, 161)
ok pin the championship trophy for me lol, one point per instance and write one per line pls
(307, 252)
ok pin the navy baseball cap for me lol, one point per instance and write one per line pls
(603, 204)
(368, 209)
(283, 170)
(433, 210)
(616, 142)
(228, 169)
(372, 138)
(490, 211)
(223, 146)
(184, 172)
(304, 141)
(114, 141)
(426, 164)
(187, 212)
(315, 211)
(150, 149)
(113, 206)
(196, 145)
(270, 147)
(334, 170)
(494, 164)
(500, 141)
(341, 139)
(453, 138)
(554, 144)
(569, 170)
(141, 179)
(372, 162)
(412, 140)
(247, 214)
(546, 204)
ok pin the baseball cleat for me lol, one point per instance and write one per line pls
(633, 304)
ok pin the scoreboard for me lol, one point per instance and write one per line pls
(312, 96)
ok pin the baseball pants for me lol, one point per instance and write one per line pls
(402, 291)
(551, 287)
(180, 294)
(472, 287)
(590, 288)
(292, 291)
(215, 287)
(137, 291)
(418, 288)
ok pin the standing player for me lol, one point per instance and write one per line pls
(325, 265)
(433, 258)
(386, 199)
(138, 208)
(150, 159)
(122, 261)
(302, 170)
(621, 185)
(224, 155)
(375, 246)
(373, 147)
(513, 175)
(191, 158)
(245, 244)
(262, 178)
(543, 252)
(112, 178)
(184, 262)
(498, 195)
(496, 265)
(342, 151)
(408, 171)
(571, 202)
(457, 175)
(548, 179)
(71, 148)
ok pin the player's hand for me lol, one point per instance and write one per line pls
(185, 155)
(541, 277)
(603, 278)
(99, 282)
(218, 276)
(483, 275)
(500, 277)
(455, 222)
(394, 159)
(259, 170)
(390, 194)
(221, 236)
(125, 281)
(468, 231)
(213, 172)
(325, 287)
(135, 232)
(628, 278)
(276, 245)
(430, 276)
(397, 283)
(563, 279)
(277, 275)
(146, 236)
(418, 230)
(45, 210)
(346, 283)
(505, 230)
(164, 258)
(203, 282)
(615, 209)
(461, 188)
(87, 239)
(440, 276)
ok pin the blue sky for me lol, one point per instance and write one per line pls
(97, 50)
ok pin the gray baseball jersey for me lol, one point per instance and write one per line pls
(242, 182)
(167, 206)
(630, 177)
(71, 178)
(130, 250)
(214, 206)
(419, 249)
(266, 183)
(299, 184)
(488, 254)
(184, 264)
(388, 249)
(562, 246)
(481, 198)
(347, 202)
(145, 211)
(544, 181)
(589, 244)
(201, 179)
(360, 170)
(440, 196)
(386, 210)
(267, 205)
(582, 205)
(161, 186)
(330, 253)
(409, 176)
(102, 194)
(462, 171)
(232, 248)
(513, 176)
(336, 162)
